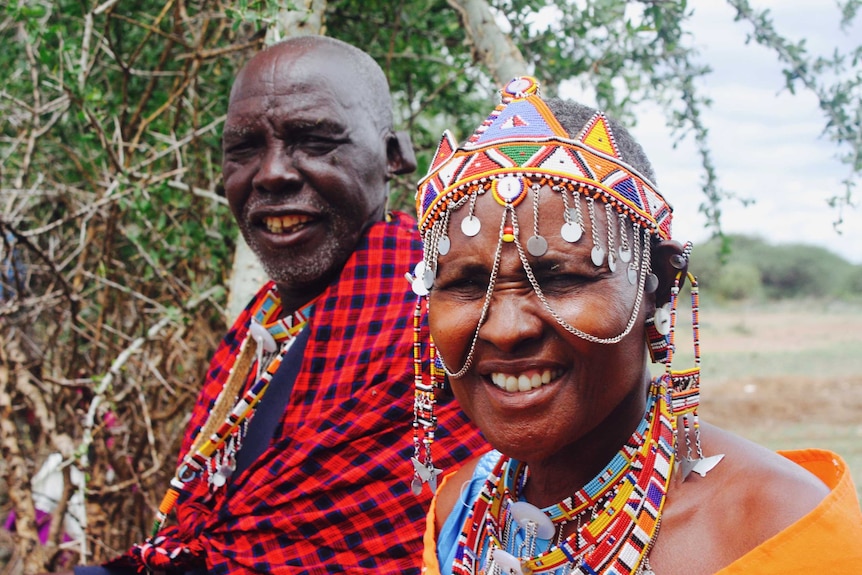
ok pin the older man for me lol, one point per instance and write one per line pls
(317, 478)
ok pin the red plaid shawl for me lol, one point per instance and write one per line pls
(331, 494)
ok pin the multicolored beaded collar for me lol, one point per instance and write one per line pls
(500, 535)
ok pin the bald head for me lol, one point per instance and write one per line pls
(356, 69)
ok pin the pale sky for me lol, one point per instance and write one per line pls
(766, 142)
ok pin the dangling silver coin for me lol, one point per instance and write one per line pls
(612, 262)
(419, 269)
(625, 255)
(221, 475)
(470, 226)
(523, 513)
(507, 563)
(571, 232)
(416, 486)
(537, 246)
(443, 245)
(428, 279)
(418, 287)
(418, 283)
(598, 256)
(662, 319)
(633, 276)
(651, 283)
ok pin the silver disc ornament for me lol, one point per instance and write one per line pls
(470, 226)
(571, 232)
(598, 256)
(537, 246)
(625, 255)
(443, 245)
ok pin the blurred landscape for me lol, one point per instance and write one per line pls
(781, 346)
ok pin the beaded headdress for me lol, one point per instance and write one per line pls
(522, 145)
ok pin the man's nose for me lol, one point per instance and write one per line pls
(278, 172)
(513, 319)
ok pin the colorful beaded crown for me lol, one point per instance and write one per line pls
(521, 144)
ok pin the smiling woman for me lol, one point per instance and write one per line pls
(551, 278)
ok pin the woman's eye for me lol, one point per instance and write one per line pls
(561, 282)
(466, 288)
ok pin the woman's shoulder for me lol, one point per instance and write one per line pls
(752, 473)
(751, 495)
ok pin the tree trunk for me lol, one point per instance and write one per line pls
(491, 46)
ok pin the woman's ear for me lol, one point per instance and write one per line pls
(667, 261)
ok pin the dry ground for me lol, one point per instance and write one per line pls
(788, 376)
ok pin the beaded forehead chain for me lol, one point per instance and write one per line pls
(522, 150)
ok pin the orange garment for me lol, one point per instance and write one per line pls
(827, 540)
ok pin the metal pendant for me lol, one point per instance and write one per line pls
(470, 226)
(612, 262)
(625, 255)
(262, 336)
(598, 256)
(428, 279)
(417, 283)
(443, 245)
(571, 232)
(524, 513)
(537, 246)
(662, 319)
(706, 464)
(504, 562)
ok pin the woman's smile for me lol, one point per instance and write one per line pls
(524, 381)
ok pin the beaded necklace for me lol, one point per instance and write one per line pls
(214, 449)
(625, 501)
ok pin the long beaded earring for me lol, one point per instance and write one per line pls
(684, 386)
(424, 419)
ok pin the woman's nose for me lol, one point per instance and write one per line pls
(513, 318)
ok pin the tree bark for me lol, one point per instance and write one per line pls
(491, 47)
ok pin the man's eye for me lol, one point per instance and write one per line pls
(239, 151)
(318, 146)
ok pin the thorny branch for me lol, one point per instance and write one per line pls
(114, 246)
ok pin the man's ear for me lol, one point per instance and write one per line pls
(399, 154)
(662, 260)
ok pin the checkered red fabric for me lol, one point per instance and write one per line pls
(331, 494)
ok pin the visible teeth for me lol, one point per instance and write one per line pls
(524, 382)
(278, 224)
(511, 383)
